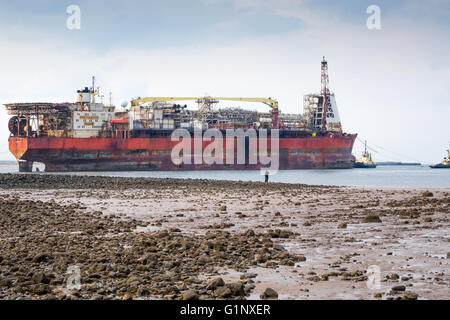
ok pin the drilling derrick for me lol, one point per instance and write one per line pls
(325, 91)
(320, 109)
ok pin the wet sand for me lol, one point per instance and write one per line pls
(172, 239)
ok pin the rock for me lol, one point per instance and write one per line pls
(248, 276)
(249, 287)
(398, 288)
(39, 277)
(41, 257)
(127, 297)
(410, 296)
(285, 234)
(314, 278)
(371, 219)
(378, 295)
(162, 234)
(146, 258)
(213, 284)
(260, 258)
(141, 291)
(271, 264)
(223, 292)
(269, 293)
(278, 247)
(237, 289)
(324, 277)
(203, 260)
(6, 283)
(249, 233)
(40, 289)
(427, 194)
(394, 276)
(190, 295)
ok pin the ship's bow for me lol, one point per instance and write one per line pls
(19, 147)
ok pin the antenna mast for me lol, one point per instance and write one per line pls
(93, 89)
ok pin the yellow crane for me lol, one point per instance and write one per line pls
(208, 101)
(268, 101)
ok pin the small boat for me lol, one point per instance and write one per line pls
(444, 164)
(366, 159)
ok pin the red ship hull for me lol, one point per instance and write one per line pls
(327, 151)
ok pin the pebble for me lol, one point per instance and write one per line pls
(190, 295)
(371, 219)
(269, 293)
(213, 284)
(398, 288)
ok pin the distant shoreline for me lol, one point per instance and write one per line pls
(399, 164)
(7, 163)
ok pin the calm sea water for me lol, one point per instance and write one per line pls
(380, 177)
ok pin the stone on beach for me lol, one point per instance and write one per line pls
(269, 293)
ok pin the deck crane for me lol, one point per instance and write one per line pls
(207, 102)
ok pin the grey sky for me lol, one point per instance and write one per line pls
(391, 85)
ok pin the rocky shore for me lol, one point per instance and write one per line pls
(140, 238)
(45, 181)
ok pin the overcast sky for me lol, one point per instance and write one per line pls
(391, 85)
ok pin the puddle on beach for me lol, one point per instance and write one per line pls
(147, 228)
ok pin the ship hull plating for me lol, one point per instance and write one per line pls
(440, 166)
(332, 151)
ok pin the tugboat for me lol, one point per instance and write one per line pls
(366, 159)
(444, 164)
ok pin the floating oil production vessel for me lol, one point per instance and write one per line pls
(90, 136)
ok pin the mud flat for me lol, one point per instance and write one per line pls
(140, 238)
